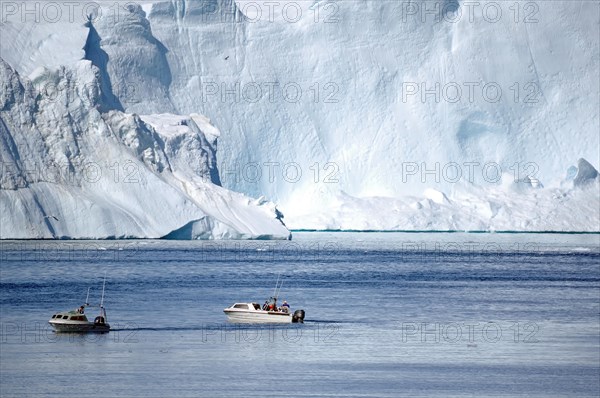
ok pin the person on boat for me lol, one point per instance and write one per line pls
(285, 307)
(81, 309)
(271, 304)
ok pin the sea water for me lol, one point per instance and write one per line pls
(387, 314)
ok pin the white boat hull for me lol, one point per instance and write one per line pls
(236, 316)
(78, 326)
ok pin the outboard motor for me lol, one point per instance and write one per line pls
(298, 316)
(99, 320)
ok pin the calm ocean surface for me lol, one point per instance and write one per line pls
(387, 314)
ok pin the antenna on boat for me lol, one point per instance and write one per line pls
(277, 287)
(87, 298)
(279, 290)
(276, 284)
(103, 284)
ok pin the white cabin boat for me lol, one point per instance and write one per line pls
(76, 321)
(268, 313)
(253, 313)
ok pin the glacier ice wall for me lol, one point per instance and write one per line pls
(357, 104)
(372, 54)
(70, 170)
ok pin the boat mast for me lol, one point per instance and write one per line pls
(87, 298)
(279, 290)
(276, 284)
(277, 287)
(102, 311)
(102, 299)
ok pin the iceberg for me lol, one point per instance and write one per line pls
(359, 115)
(70, 170)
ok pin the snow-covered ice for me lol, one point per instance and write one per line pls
(71, 171)
(378, 84)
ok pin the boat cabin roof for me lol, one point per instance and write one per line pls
(246, 306)
(71, 315)
(73, 312)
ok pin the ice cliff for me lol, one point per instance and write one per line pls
(70, 170)
(364, 114)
